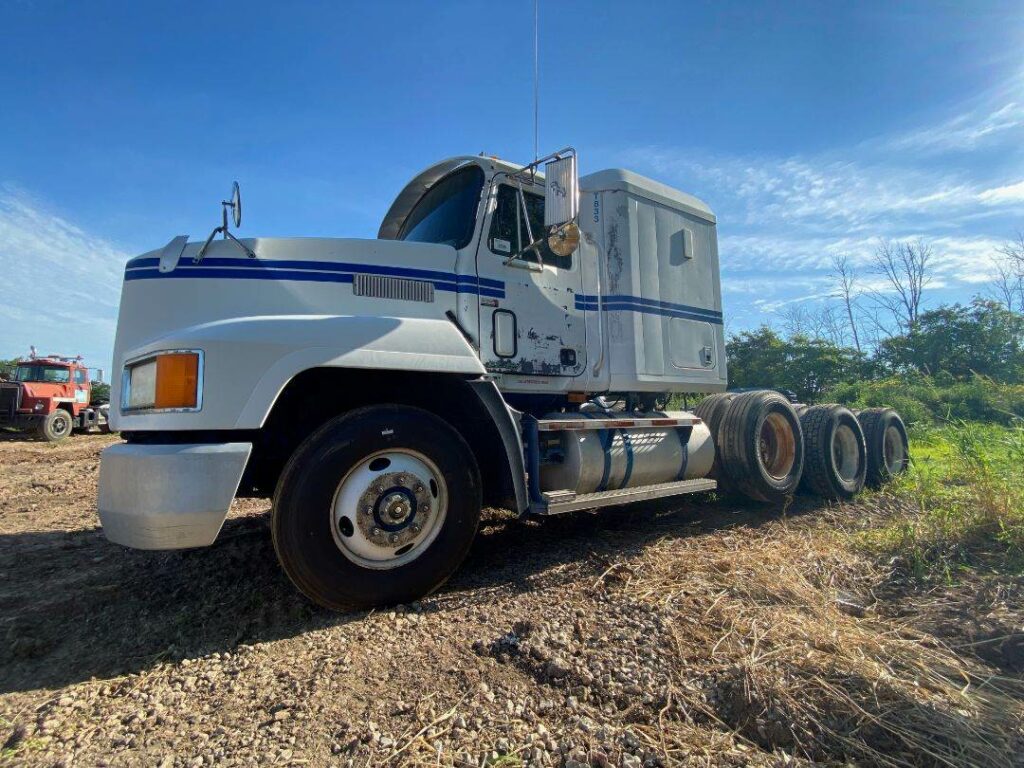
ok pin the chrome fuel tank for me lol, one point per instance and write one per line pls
(587, 461)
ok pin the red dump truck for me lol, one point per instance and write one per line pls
(52, 396)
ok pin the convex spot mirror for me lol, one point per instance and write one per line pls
(561, 191)
(564, 240)
(236, 205)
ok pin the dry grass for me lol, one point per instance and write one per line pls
(777, 642)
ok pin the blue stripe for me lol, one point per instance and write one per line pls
(629, 457)
(311, 271)
(649, 307)
(606, 437)
(319, 266)
(645, 302)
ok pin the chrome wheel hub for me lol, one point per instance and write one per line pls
(388, 509)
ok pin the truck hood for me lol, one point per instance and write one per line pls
(164, 293)
(168, 297)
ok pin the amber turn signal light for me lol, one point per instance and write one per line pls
(177, 380)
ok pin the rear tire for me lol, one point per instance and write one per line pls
(710, 410)
(56, 426)
(761, 446)
(378, 506)
(835, 457)
(888, 450)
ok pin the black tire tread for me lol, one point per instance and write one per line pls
(711, 410)
(872, 423)
(818, 477)
(738, 446)
(44, 426)
(299, 572)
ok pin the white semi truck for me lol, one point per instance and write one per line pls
(511, 338)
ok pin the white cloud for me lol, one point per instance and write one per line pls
(823, 193)
(61, 283)
(1006, 194)
(964, 132)
(957, 185)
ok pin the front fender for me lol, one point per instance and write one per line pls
(248, 361)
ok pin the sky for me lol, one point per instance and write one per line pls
(810, 128)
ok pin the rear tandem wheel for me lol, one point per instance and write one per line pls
(835, 462)
(885, 436)
(761, 446)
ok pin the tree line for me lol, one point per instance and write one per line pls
(876, 326)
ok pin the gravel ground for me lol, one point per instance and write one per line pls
(574, 641)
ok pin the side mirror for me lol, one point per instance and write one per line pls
(236, 204)
(561, 191)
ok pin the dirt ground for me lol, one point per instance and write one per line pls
(691, 633)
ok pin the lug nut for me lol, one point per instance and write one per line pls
(393, 538)
(418, 488)
(415, 527)
(368, 510)
(375, 531)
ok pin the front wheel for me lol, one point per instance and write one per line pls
(56, 426)
(377, 507)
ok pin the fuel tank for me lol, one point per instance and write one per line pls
(587, 461)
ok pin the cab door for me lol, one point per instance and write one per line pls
(530, 325)
(81, 378)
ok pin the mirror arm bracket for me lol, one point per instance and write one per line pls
(227, 236)
(235, 204)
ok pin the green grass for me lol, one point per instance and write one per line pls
(966, 488)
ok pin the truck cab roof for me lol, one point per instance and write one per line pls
(635, 184)
(414, 190)
(611, 178)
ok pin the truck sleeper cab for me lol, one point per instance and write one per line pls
(381, 391)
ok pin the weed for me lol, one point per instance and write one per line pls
(964, 494)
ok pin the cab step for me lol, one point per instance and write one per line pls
(556, 502)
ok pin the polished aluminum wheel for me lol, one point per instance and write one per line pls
(388, 509)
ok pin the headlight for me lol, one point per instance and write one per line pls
(167, 380)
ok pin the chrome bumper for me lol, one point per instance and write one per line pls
(168, 496)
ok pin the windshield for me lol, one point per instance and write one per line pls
(446, 214)
(55, 374)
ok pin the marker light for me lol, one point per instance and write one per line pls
(169, 380)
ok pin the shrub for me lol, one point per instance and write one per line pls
(923, 400)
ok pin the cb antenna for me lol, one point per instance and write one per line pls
(536, 79)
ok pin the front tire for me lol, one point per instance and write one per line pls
(56, 426)
(379, 506)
